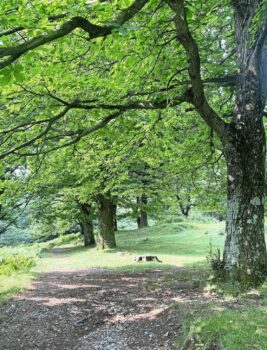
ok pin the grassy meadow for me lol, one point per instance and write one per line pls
(176, 244)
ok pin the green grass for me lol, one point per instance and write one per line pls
(175, 244)
(232, 330)
(15, 266)
(187, 239)
(211, 325)
(16, 260)
(19, 265)
(15, 283)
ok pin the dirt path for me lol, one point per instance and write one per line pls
(97, 309)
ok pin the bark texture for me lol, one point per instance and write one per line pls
(115, 221)
(106, 221)
(142, 219)
(245, 250)
(86, 224)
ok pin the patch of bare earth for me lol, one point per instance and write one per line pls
(97, 309)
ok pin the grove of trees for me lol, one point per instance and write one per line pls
(140, 104)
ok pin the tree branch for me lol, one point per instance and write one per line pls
(37, 137)
(81, 133)
(20, 28)
(198, 98)
(12, 31)
(14, 52)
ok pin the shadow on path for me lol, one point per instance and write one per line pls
(98, 309)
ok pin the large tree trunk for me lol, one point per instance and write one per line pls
(245, 250)
(244, 257)
(142, 219)
(106, 221)
(86, 224)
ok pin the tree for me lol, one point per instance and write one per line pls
(142, 220)
(196, 28)
(106, 220)
(245, 250)
(86, 223)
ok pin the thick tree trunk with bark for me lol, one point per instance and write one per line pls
(86, 224)
(106, 220)
(243, 139)
(142, 220)
(245, 257)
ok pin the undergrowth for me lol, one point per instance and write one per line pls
(22, 258)
(16, 260)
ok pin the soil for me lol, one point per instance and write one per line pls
(99, 309)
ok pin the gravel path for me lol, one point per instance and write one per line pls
(96, 309)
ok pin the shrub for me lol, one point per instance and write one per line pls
(16, 260)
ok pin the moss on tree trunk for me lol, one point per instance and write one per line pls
(106, 221)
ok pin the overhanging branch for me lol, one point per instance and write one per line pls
(10, 54)
(81, 133)
(198, 98)
(37, 137)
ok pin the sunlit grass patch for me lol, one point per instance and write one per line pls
(231, 330)
(176, 244)
(173, 239)
(15, 283)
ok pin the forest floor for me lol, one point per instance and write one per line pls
(102, 309)
(85, 299)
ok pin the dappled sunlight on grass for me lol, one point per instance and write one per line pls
(173, 239)
(235, 329)
(174, 244)
(15, 283)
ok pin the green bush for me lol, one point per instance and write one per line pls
(194, 216)
(24, 257)
(73, 238)
(70, 238)
(16, 260)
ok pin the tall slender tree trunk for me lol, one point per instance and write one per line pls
(142, 219)
(86, 224)
(106, 221)
(184, 207)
